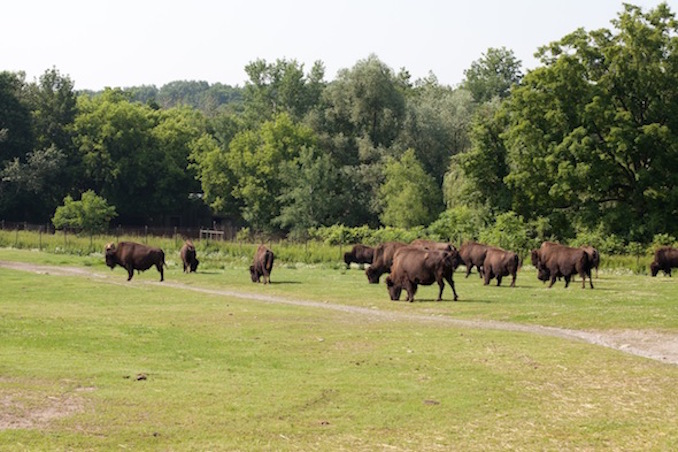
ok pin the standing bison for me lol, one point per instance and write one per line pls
(499, 263)
(665, 258)
(263, 264)
(382, 260)
(188, 257)
(473, 254)
(135, 256)
(359, 254)
(594, 257)
(553, 260)
(414, 265)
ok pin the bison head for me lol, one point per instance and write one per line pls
(543, 274)
(110, 255)
(254, 274)
(372, 275)
(394, 290)
(654, 268)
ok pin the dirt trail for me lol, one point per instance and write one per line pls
(650, 344)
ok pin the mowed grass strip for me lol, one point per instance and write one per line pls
(99, 363)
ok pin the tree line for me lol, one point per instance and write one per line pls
(585, 143)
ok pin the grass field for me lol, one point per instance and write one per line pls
(97, 363)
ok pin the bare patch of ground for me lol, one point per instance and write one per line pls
(650, 344)
(35, 411)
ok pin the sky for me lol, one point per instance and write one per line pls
(124, 43)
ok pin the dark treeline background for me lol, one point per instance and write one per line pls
(586, 143)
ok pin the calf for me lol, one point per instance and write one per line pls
(414, 265)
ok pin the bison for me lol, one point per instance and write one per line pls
(665, 258)
(413, 265)
(360, 254)
(499, 263)
(382, 260)
(263, 264)
(188, 257)
(594, 257)
(473, 254)
(135, 256)
(553, 260)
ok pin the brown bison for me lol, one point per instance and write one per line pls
(665, 258)
(594, 257)
(263, 264)
(499, 263)
(553, 260)
(188, 257)
(413, 265)
(360, 254)
(135, 256)
(382, 260)
(473, 254)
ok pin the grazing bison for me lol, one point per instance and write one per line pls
(188, 257)
(499, 263)
(553, 260)
(594, 257)
(135, 256)
(360, 254)
(665, 258)
(413, 265)
(382, 260)
(263, 264)
(473, 254)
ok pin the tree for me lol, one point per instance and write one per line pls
(593, 134)
(281, 87)
(410, 196)
(255, 159)
(493, 75)
(436, 125)
(314, 192)
(90, 214)
(16, 136)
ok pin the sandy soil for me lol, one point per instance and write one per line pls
(650, 344)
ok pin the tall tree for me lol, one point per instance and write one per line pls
(493, 75)
(594, 132)
(255, 158)
(410, 197)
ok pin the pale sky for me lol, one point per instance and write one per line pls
(122, 43)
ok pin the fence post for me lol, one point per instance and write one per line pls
(40, 238)
(146, 234)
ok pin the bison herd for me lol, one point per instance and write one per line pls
(422, 262)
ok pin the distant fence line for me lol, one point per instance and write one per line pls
(215, 233)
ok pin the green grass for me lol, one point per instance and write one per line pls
(227, 373)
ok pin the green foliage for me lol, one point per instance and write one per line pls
(90, 214)
(493, 75)
(409, 195)
(459, 224)
(511, 232)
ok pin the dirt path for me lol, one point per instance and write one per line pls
(649, 344)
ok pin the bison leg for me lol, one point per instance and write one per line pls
(450, 281)
(130, 272)
(162, 273)
(567, 280)
(513, 280)
(468, 270)
(553, 281)
(499, 280)
(411, 288)
(441, 285)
